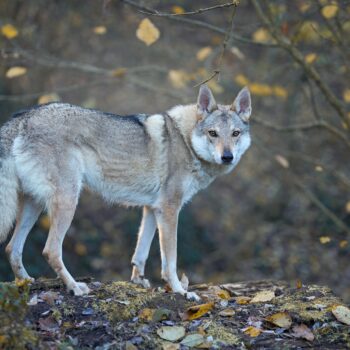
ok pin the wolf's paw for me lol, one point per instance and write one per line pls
(79, 288)
(141, 281)
(192, 296)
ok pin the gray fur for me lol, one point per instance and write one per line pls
(51, 152)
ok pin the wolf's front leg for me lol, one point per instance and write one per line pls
(167, 218)
(145, 237)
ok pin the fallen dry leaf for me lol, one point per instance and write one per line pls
(147, 32)
(146, 314)
(342, 314)
(161, 314)
(171, 333)
(303, 331)
(192, 340)
(252, 331)
(50, 297)
(48, 324)
(178, 78)
(48, 98)
(197, 311)
(280, 319)
(100, 30)
(9, 31)
(263, 296)
(203, 53)
(14, 72)
(223, 294)
(329, 11)
(227, 312)
(282, 161)
(242, 300)
(170, 346)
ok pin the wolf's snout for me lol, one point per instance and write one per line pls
(227, 157)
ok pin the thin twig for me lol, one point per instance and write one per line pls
(197, 23)
(304, 126)
(298, 57)
(225, 42)
(191, 13)
(308, 193)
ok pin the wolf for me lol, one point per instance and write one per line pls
(50, 152)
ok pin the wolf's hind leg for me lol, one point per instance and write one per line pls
(28, 214)
(144, 241)
(62, 210)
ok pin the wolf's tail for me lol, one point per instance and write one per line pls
(8, 196)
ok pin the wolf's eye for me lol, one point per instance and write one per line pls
(236, 133)
(212, 133)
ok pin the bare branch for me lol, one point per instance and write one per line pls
(190, 13)
(303, 127)
(307, 192)
(298, 57)
(198, 23)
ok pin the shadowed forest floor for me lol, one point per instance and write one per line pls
(121, 315)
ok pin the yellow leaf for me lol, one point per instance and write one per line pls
(80, 249)
(346, 95)
(215, 86)
(118, 72)
(197, 311)
(347, 207)
(263, 296)
(22, 282)
(241, 80)
(203, 53)
(3, 339)
(262, 35)
(280, 319)
(329, 11)
(223, 294)
(48, 98)
(9, 31)
(177, 9)
(318, 168)
(44, 222)
(310, 58)
(147, 32)
(243, 300)
(282, 161)
(146, 314)
(280, 91)
(342, 314)
(308, 32)
(100, 30)
(227, 312)
(343, 243)
(14, 72)
(252, 331)
(178, 78)
(325, 239)
(260, 89)
(304, 6)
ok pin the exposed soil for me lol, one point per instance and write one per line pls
(120, 315)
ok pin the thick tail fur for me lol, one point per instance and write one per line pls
(8, 196)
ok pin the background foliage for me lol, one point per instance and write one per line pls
(284, 213)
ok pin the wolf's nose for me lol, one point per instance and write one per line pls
(227, 157)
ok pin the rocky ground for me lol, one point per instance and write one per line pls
(121, 315)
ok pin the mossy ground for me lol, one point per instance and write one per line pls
(109, 317)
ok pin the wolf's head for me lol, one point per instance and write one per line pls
(221, 134)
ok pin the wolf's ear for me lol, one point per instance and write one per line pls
(242, 104)
(206, 101)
